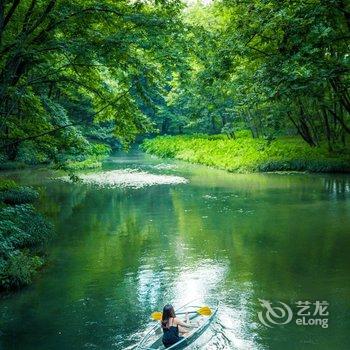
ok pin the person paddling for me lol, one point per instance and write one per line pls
(174, 329)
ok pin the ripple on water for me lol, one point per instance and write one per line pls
(165, 166)
(128, 178)
(226, 332)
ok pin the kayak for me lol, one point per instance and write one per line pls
(153, 339)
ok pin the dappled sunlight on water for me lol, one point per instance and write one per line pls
(197, 283)
(128, 178)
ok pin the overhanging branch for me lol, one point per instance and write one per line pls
(52, 131)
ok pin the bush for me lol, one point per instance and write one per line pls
(29, 153)
(99, 149)
(22, 231)
(19, 195)
(6, 184)
(92, 159)
(11, 165)
(25, 225)
(11, 238)
(89, 163)
(18, 270)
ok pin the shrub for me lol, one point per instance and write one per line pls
(89, 163)
(99, 149)
(30, 227)
(11, 165)
(92, 159)
(6, 184)
(19, 195)
(18, 270)
(11, 237)
(22, 231)
(29, 153)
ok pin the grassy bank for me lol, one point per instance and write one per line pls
(245, 154)
(23, 234)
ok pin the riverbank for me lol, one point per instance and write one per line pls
(91, 158)
(245, 154)
(23, 234)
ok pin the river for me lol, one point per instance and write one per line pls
(121, 252)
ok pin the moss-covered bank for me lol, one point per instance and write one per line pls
(245, 154)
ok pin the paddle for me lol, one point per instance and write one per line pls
(204, 311)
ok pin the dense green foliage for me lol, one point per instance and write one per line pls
(91, 158)
(278, 69)
(22, 232)
(76, 73)
(19, 195)
(273, 67)
(247, 154)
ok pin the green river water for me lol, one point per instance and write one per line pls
(121, 253)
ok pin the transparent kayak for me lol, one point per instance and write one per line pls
(153, 339)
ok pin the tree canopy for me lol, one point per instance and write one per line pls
(76, 72)
(65, 64)
(272, 67)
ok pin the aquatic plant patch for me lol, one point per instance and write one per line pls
(128, 178)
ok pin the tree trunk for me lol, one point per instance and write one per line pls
(302, 131)
(165, 125)
(327, 129)
(248, 124)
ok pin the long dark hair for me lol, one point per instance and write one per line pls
(168, 312)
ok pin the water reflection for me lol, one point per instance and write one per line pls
(122, 253)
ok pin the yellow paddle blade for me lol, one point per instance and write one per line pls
(157, 315)
(204, 311)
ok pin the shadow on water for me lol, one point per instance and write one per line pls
(121, 253)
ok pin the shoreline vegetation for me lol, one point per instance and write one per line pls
(23, 235)
(246, 154)
(24, 232)
(92, 158)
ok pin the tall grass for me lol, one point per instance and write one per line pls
(245, 154)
